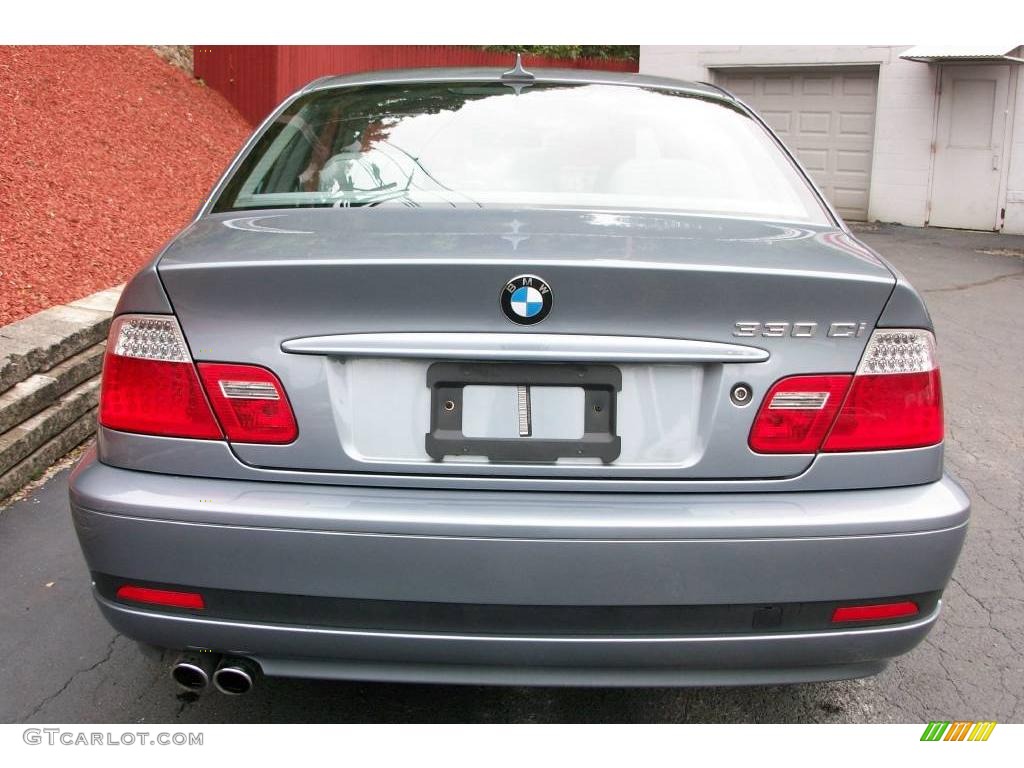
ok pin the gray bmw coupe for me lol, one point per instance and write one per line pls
(530, 378)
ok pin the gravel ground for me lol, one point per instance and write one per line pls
(104, 153)
(60, 662)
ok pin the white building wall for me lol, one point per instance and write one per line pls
(1015, 176)
(904, 129)
(904, 121)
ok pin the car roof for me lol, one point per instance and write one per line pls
(494, 74)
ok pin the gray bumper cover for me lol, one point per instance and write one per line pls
(521, 548)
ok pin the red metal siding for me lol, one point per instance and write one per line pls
(246, 75)
(255, 78)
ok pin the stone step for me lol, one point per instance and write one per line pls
(19, 442)
(27, 398)
(33, 465)
(41, 341)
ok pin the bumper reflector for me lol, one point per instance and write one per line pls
(876, 612)
(165, 597)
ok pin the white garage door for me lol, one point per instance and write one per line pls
(826, 117)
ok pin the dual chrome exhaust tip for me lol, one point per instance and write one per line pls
(230, 675)
(194, 671)
(235, 676)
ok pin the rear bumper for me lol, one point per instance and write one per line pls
(320, 652)
(520, 549)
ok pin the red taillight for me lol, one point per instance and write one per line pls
(796, 414)
(149, 384)
(884, 412)
(875, 612)
(894, 400)
(249, 402)
(164, 597)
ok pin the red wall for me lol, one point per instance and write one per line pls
(256, 78)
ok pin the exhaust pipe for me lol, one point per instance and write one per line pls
(235, 676)
(193, 671)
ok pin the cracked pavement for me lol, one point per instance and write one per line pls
(60, 662)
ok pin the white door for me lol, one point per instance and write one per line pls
(969, 146)
(827, 119)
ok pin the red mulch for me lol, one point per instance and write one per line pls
(105, 152)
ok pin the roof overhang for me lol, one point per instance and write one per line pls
(939, 53)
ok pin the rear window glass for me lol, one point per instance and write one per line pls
(487, 144)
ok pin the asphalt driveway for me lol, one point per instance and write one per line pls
(60, 662)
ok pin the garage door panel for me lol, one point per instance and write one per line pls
(815, 122)
(826, 117)
(779, 121)
(778, 86)
(741, 86)
(846, 197)
(856, 124)
(853, 161)
(860, 86)
(814, 159)
(817, 86)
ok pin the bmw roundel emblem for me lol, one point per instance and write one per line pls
(526, 299)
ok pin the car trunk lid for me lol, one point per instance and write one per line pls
(353, 310)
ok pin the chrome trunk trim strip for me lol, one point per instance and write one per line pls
(537, 347)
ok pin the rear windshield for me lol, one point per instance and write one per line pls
(492, 144)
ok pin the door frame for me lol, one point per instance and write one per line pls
(999, 214)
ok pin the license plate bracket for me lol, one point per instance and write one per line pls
(600, 385)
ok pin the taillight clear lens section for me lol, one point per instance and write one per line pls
(250, 403)
(896, 397)
(797, 413)
(892, 352)
(149, 384)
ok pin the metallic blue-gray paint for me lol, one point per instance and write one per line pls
(730, 526)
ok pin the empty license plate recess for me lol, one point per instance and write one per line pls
(599, 384)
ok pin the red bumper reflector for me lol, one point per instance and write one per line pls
(165, 597)
(876, 612)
